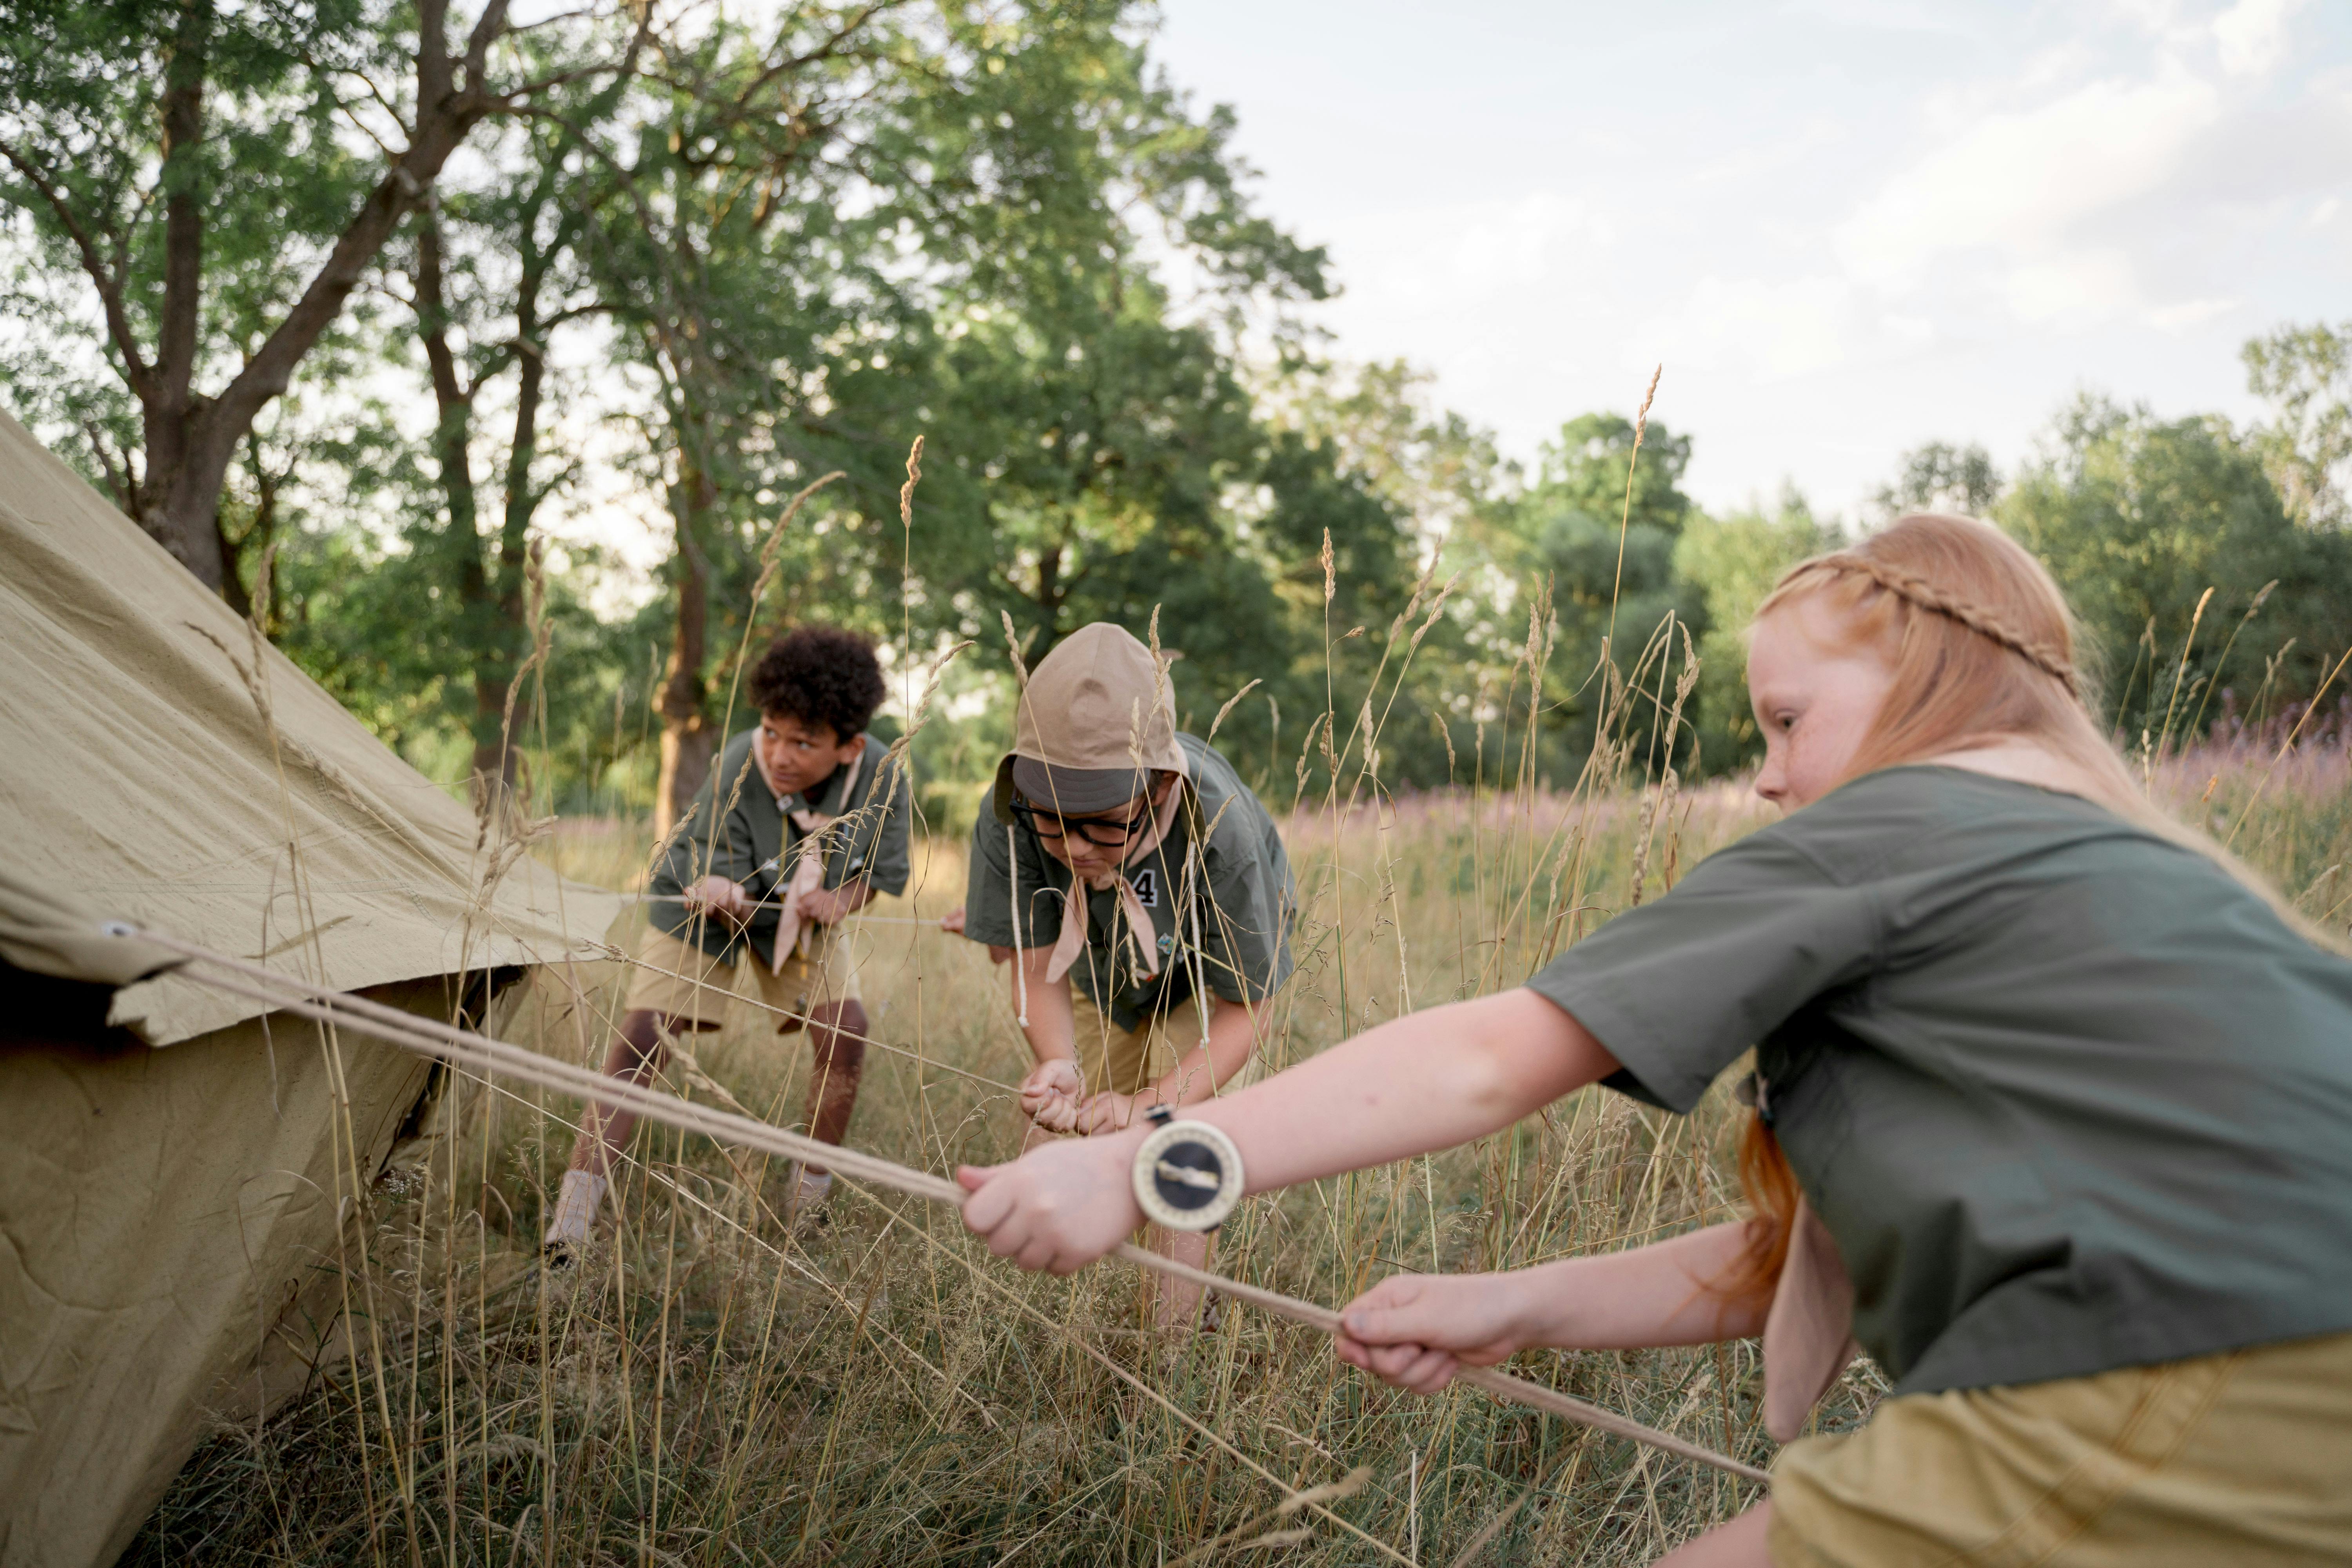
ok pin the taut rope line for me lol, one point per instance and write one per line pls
(483, 1054)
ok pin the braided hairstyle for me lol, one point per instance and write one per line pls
(1978, 636)
(1981, 647)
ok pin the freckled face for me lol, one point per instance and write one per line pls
(1815, 698)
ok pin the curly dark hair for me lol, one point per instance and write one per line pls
(820, 675)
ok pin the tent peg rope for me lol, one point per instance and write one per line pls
(482, 1054)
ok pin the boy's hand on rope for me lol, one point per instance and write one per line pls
(827, 906)
(1106, 1112)
(1058, 1207)
(1050, 1095)
(1418, 1331)
(720, 897)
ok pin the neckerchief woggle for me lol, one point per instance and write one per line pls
(808, 870)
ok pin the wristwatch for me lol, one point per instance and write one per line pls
(1187, 1174)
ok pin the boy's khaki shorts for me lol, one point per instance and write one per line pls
(1130, 1060)
(2239, 1458)
(1121, 1060)
(678, 979)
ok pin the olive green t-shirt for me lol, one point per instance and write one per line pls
(1218, 888)
(2069, 1097)
(736, 828)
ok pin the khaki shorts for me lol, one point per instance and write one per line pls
(664, 980)
(2239, 1458)
(1131, 1060)
(1121, 1060)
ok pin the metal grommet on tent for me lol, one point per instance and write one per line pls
(1187, 1174)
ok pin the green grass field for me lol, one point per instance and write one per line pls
(716, 1389)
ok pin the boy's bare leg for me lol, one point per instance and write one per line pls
(837, 1039)
(637, 1054)
(1176, 1303)
(837, 1061)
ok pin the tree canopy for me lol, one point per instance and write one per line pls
(405, 296)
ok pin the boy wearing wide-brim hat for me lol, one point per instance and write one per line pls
(1144, 892)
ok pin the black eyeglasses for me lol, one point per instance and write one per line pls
(1110, 833)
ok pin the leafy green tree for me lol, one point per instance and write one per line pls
(1939, 477)
(1598, 530)
(750, 245)
(2138, 517)
(1734, 560)
(2306, 374)
(969, 245)
(496, 274)
(221, 178)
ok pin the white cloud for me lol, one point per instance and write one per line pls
(2027, 180)
(1775, 331)
(2253, 35)
(2185, 315)
(1434, 255)
(2075, 289)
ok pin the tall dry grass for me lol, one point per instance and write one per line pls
(717, 1389)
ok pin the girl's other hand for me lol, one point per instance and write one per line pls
(1417, 1330)
(1058, 1207)
(951, 923)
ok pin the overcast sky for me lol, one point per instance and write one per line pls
(1845, 226)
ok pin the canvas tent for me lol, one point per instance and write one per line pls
(176, 1166)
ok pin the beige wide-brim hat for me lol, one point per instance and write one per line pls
(1096, 719)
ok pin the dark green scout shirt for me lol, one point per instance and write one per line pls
(751, 839)
(2068, 1096)
(1218, 888)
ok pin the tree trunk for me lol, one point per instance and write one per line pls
(192, 439)
(482, 612)
(494, 679)
(172, 412)
(686, 743)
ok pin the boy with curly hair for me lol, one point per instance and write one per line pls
(800, 825)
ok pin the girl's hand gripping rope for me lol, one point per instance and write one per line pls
(1419, 1330)
(1058, 1207)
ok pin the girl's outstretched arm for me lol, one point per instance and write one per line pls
(1429, 1080)
(1417, 1330)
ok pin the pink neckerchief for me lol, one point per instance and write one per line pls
(1073, 939)
(808, 870)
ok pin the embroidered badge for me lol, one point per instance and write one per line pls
(1168, 943)
(1146, 884)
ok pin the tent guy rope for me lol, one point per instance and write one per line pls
(860, 917)
(482, 1054)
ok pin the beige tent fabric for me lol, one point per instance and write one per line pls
(170, 1253)
(48, 935)
(143, 782)
(172, 1222)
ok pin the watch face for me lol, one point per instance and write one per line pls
(1188, 1176)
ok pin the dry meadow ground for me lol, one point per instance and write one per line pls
(718, 1390)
